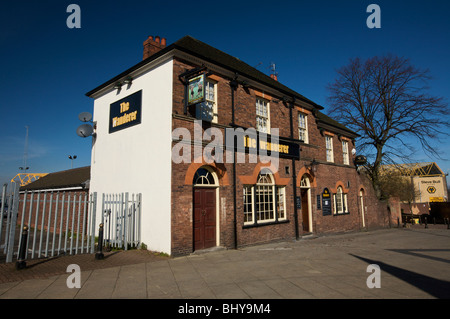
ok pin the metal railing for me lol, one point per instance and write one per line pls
(41, 224)
(56, 222)
(122, 220)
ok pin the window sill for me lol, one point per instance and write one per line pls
(262, 224)
(341, 214)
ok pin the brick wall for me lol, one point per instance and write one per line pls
(327, 175)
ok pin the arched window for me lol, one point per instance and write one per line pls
(264, 202)
(340, 201)
(203, 177)
(304, 182)
(264, 197)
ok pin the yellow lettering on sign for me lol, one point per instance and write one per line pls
(264, 145)
(125, 106)
(126, 118)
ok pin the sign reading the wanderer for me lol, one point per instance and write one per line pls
(125, 112)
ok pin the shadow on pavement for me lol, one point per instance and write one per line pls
(435, 287)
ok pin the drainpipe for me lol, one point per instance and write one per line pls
(294, 173)
(234, 86)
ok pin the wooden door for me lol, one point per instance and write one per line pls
(204, 218)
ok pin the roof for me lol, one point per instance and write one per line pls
(208, 53)
(423, 169)
(77, 177)
(322, 118)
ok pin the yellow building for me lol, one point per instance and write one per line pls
(428, 179)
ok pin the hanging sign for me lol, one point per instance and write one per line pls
(196, 89)
(125, 112)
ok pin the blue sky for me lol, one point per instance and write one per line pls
(46, 68)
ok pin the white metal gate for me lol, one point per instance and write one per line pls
(122, 220)
(50, 223)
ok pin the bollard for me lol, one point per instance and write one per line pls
(398, 222)
(426, 224)
(21, 263)
(99, 255)
(448, 223)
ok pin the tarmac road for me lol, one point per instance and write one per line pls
(413, 264)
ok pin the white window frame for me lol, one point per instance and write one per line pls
(303, 127)
(248, 205)
(340, 201)
(273, 206)
(281, 202)
(212, 102)
(345, 152)
(262, 115)
(329, 148)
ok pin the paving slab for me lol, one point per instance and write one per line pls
(413, 265)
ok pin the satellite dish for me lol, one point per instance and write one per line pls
(85, 130)
(85, 117)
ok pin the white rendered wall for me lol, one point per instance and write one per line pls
(138, 159)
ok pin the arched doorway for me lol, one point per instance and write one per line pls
(305, 194)
(205, 208)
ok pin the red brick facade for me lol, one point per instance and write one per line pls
(329, 175)
(247, 202)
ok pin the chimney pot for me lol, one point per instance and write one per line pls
(274, 76)
(151, 46)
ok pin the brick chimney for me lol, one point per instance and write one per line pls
(151, 46)
(274, 76)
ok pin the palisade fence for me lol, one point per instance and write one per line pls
(122, 220)
(53, 223)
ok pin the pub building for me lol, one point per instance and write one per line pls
(224, 155)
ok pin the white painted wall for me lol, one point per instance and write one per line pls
(138, 159)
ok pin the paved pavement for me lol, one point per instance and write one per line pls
(414, 263)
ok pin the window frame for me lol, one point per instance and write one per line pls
(263, 102)
(305, 128)
(274, 208)
(203, 177)
(342, 197)
(345, 155)
(329, 148)
(213, 101)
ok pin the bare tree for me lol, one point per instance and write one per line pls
(385, 100)
(393, 184)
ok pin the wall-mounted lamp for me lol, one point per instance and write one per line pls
(118, 86)
(313, 165)
(128, 80)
